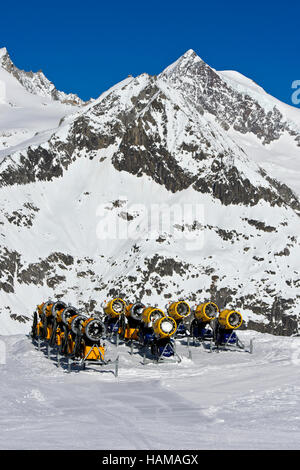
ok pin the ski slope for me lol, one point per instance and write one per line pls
(226, 400)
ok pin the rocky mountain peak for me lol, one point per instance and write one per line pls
(36, 82)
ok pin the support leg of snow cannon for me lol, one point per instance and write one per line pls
(117, 367)
(58, 359)
(48, 351)
(95, 356)
(188, 347)
(251, 346)
(160, 356)
(176, 357)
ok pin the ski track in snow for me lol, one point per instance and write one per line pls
(225, 400)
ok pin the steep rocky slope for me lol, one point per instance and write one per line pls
(155, 191)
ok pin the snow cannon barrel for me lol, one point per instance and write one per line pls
(75, 323)
(47, 308)
(207, 311)
(164, 327)
(56, 307)
(150, 315)
(115, 308)
(41, 306)
(135, 311)
(179, 310)
(230, 319)
(63, 316)
(93, 329)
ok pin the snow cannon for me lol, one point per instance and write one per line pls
(114, 311)
(115, 308)
(225, 325)
(74, 325)
(132, 321)
(163, 345)
(93, 329)
(230, 319)
(179, 311)
(60, 329)
(56, 307)
(204, 314)
(91, 346)
(42, 322)
(149, 316)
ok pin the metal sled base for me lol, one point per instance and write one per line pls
(227, 346)
(163, 359)
(82, 362)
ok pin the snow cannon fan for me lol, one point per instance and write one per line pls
(227, 322)
(131, 325)
(179, 311)
(204, 314)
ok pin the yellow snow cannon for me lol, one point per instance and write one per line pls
(92, 348)
(131, 326)
(162, 344)
(86, 343)
(164, 327)
(60, 333)
(115, 307)
(206, 312)
(74, 329)
(230, 319)
(114, 312)
(225, 330)
(179, 310)
(41, 320)
(150, 315)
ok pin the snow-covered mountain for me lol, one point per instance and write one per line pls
(29, 103)
(193, 138)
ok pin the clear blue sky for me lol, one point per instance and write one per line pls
(85, 47)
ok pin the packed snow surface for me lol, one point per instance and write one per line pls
(225, 400)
